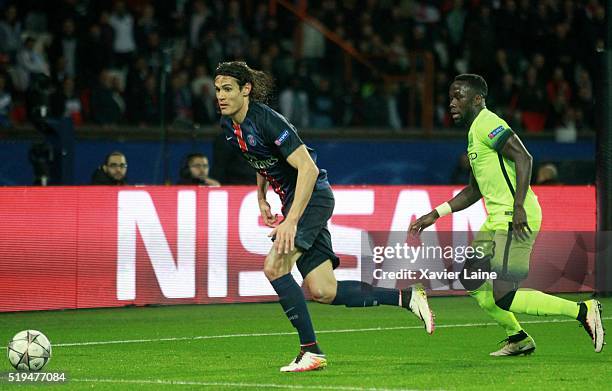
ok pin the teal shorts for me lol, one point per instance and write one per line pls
(508, 256)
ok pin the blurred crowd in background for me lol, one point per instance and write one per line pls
(105, 59)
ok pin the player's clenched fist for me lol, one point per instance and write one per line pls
(266, 213)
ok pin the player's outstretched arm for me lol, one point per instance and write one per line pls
(515, 150)
(264, 207)
(307, 176)
(466, 197)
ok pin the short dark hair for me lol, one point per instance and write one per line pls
(192, 156)
(476, 82)
(184, 172)
(114, 153)
(262, 84)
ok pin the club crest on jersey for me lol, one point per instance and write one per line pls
(251, 140)
(281, 139)
(495, 132)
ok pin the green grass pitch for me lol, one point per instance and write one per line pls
(242, 346)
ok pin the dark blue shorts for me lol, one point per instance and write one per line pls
(313, 237)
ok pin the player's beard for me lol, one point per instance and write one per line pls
(466, 118)
(460, 121)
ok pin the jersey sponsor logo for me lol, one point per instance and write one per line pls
(281, 139)
(251, 140)
(473, 155)
(495, 132)
(260, 164)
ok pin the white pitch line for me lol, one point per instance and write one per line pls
(229, 384)
(284, 333)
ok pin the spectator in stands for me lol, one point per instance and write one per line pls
(504, 100)
(118, 91)
(211, 49)
(65, 46)
(455, 23)
(65, 103)
(200, 19)
(544, 34)
(107, 35)
(538, 61)
(203, 94)
(391, 100)
(147, 107)
(260, 16)
(195, 171)
(559, 95)
(566, 130)
(30, 62)
(124, 44)
(135, 88)
(322, 105)
(113, 172)
(502, 65)
(105, 109)
(10, 33)
(548, 175)
(58, 72)
(201, 78)
(562, 47)
(441, 117)
(480, 40)
(153, 52)
(532, 102)
(376, 114)
(235, 42)
(147, 23)
(181, 95)
(584, 99)
(398, 54)
(35, 20)
(94, 54)
(6, 102)
(271, 32)
(293, 102)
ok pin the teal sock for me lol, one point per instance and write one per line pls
(486, 301)
(532, 302)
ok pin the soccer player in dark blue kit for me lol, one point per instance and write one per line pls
(272, 146)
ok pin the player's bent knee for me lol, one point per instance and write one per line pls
(506, 301)
(324, 294)
(487, 305)
(474, 265)
(471, 285)
(272, 269)
(271, 273)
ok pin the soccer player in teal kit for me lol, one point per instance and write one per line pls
(501, 173)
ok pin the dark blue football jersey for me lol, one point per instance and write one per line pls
(265, 139)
